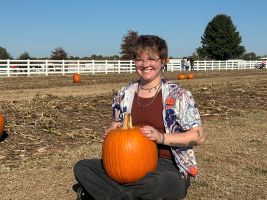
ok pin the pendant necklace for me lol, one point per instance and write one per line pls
(149, 89)
(154, 97)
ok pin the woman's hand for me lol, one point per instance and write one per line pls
(152, 134)
(113, 125)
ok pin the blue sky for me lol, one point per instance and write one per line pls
(86, 27)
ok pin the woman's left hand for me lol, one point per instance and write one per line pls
(152, 134)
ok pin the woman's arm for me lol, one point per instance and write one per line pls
(191, 137)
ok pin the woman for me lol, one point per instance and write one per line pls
(168, 116)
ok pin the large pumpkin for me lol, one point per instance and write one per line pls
(76, 78)
(2, 123)
(181, 76)
(127, 155)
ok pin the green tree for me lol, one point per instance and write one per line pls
(127, 43)
(96, 57)
(4, 54)
(221, 40)
(24, 56)
(249, 56)
(58, 54)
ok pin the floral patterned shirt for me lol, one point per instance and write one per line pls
(179, 114)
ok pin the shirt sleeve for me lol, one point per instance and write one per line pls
(191, 113)
(116, 110)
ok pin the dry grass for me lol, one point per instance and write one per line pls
(48, 133)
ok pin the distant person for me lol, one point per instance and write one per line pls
(263, 64)
(191, 61)
(165, 68)
(187, 64)
(182, 63)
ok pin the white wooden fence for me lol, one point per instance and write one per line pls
(63, 67)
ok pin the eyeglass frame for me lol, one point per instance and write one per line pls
(152, 61)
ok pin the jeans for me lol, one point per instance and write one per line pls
(165, 182)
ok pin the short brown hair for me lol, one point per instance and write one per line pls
(151, 44)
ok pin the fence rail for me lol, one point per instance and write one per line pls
(63, 67)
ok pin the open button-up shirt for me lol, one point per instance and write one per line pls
(179, 114)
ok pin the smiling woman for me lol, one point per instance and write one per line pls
(153, 103)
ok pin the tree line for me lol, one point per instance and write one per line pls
(220, 41)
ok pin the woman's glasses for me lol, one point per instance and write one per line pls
(150, 61)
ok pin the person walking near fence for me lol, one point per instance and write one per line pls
(182, 63)
(191, 61)
(167, 115)
(187, 64)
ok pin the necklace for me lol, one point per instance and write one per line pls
(140, 87)
(153, 99)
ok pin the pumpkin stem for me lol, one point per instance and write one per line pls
(127, 121)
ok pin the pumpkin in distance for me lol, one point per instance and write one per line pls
(181, 76)
(2, 123)
(127, 155)
(190, 76)
(76, 78)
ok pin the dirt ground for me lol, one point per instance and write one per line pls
(51, 123)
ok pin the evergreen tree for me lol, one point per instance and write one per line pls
(127, 43)
(221, 40)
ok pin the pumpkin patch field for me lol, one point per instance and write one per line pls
(50, 123)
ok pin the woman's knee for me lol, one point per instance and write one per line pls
(83, 166)
(78, 168)
(173, 186)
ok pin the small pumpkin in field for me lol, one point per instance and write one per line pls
(76, 78)
(2, 123)
(127, 155)
(190, 76)
(181, 76)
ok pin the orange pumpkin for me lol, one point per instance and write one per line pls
(76, 78)
(190, 76)
(181, 76)
(2, 123)
(127, 155)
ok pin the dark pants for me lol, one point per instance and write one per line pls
(165, 182)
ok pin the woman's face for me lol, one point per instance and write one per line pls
(148, 67)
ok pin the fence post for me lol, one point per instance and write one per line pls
(205, 65)
(28, 67)
(212, 63)
(119, 65)
(8, 67)
(63, 67)
(106, 62)
(78, 67)
(219, 64)
(46, 67)
(93, 63)
(131, 66)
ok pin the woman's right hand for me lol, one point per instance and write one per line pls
(113, 125)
